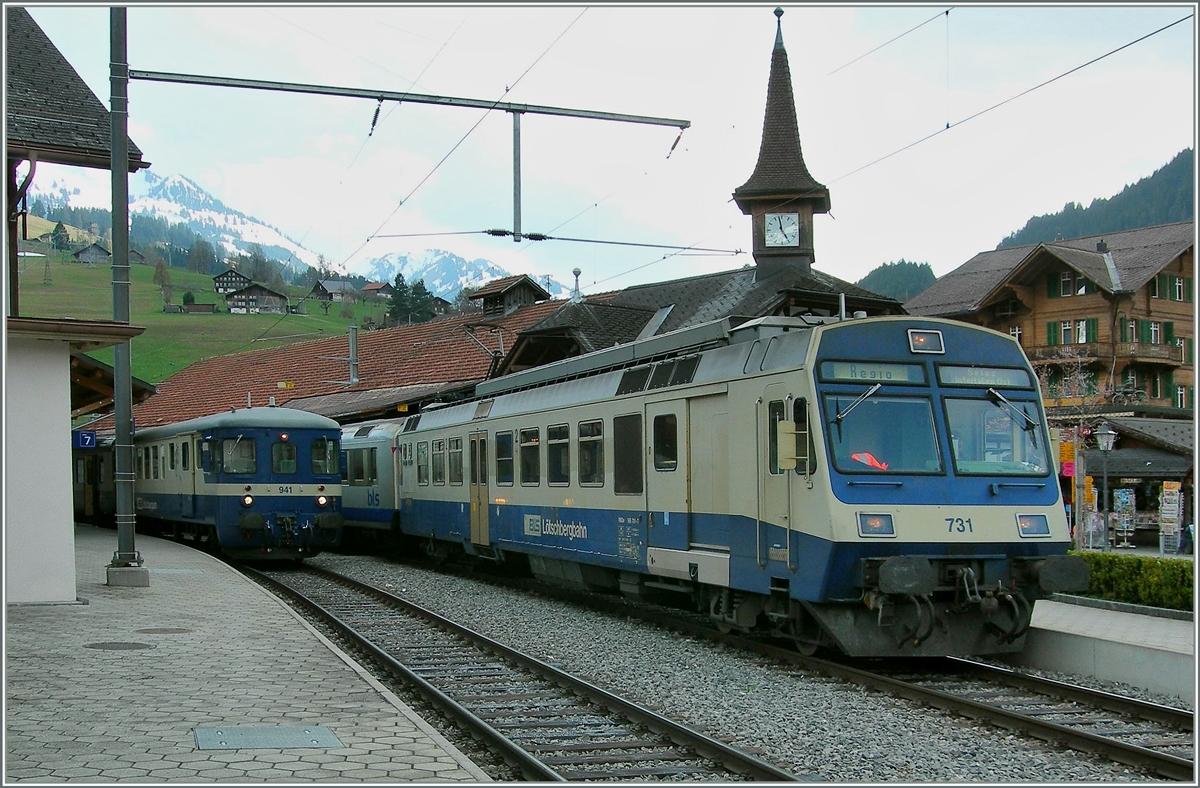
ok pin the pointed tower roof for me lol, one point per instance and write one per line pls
(780, 170)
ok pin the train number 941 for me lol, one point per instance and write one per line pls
(959, 525)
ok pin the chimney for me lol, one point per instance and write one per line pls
(1101, 246)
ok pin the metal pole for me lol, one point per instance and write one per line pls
(517, 176)
(126, 554)
(1104, 454)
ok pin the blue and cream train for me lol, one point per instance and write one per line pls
(884, 486)
(255, 483)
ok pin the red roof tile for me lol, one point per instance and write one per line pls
(438, 351)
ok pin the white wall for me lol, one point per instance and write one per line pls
(39, 528)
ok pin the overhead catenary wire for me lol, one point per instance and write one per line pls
(945, 13)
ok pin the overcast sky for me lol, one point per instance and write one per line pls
(306, 164)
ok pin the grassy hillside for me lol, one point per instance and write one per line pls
(171, 341)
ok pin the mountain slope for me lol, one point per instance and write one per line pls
(444, 273)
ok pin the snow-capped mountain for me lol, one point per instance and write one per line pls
(177, 199)
(444, 273)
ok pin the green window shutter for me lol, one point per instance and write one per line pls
(1052, 284)
(1189, 351)
(1124, 327)
(1143, 331)
(1164, 282)
(1052, 333)
(1093, 329)
(1187, 289)
(1169, 332)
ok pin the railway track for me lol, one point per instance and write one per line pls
(551, 725)
(1159, 739)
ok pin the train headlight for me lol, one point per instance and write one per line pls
(1033, 525)
(875, 525)
(247, 500)
(322, 500)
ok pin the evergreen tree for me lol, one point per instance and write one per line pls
(901, 280)
(400, 304)
(420, 303)
(59, 238)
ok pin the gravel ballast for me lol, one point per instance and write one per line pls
(803, 722)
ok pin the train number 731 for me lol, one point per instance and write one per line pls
(959, 525)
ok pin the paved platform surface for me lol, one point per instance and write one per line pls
(201, 648)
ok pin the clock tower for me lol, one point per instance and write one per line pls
(781, 196)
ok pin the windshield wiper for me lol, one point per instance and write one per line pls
(844, 413)
(1029, 424)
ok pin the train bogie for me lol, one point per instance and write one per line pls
(869, 484)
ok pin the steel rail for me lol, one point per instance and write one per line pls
(682, 735)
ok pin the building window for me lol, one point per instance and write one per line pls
(1155, 332)
(1156, 386)
(1015, 333)
(1178, 295)
(1181, 396)
(1065, 283)
(1068, 332)
(1152, 287)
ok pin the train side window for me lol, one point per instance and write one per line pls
(456, 461)
(666, 442)
(531, 457)
(171, 456)
(238, 454)
(423, 462)
(283, 458)
(183, 454)
(326, 457)
(438, 450)
(774, 416)
(806, 448)
(154, 462)
(504, 458)
(558, 454)
(591, 453)
(140, 466)
(627, 454)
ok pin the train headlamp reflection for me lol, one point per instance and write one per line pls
(1033, 525)
(875, 525)
(925, 341)
(247, 500)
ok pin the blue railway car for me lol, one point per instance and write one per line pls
(259, 483)
(882, 486)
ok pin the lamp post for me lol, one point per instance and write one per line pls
(1105, 436)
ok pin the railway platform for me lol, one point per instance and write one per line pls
(201, 677)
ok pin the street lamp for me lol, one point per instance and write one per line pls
(1105, 436)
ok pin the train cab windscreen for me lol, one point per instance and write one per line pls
(882, 434)
(996, 437)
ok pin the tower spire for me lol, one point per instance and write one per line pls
(781, 196)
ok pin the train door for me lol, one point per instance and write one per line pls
(188, 461)
(774, 495)
(479, 488)
(709, 440)
(668, 485)
(92, 464)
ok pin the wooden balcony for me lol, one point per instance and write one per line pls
(1089, 352)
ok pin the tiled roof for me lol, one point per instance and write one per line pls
(594, 325)
(501, 286)
(781, 167)
(439, 351)
(1177, 435)
(49, 108)
(337, 285)
(1139, 462)
(1137, 255)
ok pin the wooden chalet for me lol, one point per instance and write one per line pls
(256, 299)
(230, 281)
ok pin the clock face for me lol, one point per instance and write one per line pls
(782, 229)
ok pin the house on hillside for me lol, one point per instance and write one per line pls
(1108, 318)
(378, 290)
(94, 253)
(333, 290)
(230, 281)
(256, 299)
